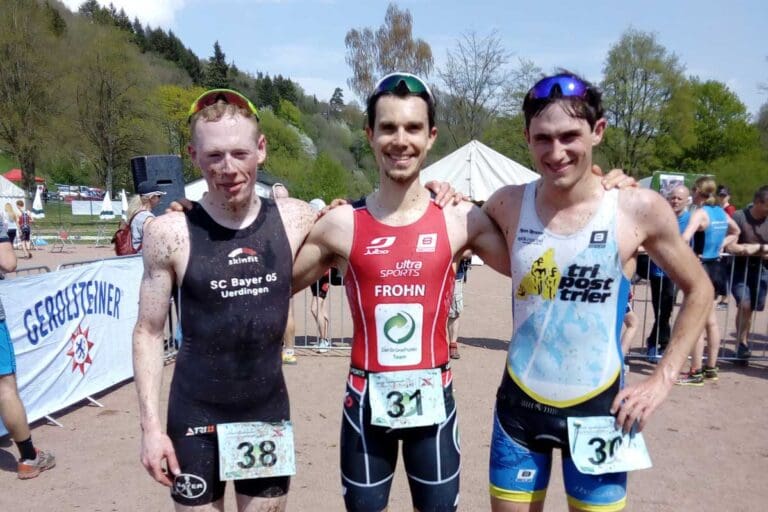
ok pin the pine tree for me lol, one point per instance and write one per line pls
(216, 72)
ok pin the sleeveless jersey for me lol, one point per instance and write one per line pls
(682, 223)
(233, 309)
(569, 295)
(399, 283)
(715, 232)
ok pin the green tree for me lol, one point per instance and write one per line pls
(327, 180)
(289, 112)
(217, 70)
(113, 107)
(57, 24)
(391, 47)
(173, 102)
(505, 135)
(474, 76)
(29, 72)
(640, 78)
(762, 125)
(337, 102)
(721, 126)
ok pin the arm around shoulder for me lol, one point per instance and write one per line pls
(322, 246)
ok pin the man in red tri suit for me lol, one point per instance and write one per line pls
(396, 249)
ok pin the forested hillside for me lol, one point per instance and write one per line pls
(81, 93)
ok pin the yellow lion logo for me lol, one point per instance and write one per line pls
(543, 278)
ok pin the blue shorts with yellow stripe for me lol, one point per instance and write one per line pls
(524, 434)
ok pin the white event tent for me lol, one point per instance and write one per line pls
(477, 171)
(9, 193)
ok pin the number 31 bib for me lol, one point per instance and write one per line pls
(408, 398)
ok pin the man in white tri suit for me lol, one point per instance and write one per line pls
(572, 247)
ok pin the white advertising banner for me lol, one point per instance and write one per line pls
(71, 331)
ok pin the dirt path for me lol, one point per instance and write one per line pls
(708, 444)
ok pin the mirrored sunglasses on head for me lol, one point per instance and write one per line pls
(565, 85)
(393, 81)
(230, 96)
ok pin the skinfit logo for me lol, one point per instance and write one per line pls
(242, 255)
(400, 328)
(379, 245)
(188, 485)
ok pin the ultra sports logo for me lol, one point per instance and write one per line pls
(80, 350)
(399, 328)
(242, 255)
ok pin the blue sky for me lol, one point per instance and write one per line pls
(304, 39)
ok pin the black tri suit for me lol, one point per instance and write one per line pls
(233, 307)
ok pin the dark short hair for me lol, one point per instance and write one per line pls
(761, 194)
(401, 91)
(588, 107)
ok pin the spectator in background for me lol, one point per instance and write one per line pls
(319, 306)
(32, 461)
(11, 221)
(279, 191)
(25, 227)
(663, 290)
(140, 211)
(724, 196)
(719, 230)
(457, 304)
(750, 268)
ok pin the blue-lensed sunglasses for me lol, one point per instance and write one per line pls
(568, 85)
(391, 82)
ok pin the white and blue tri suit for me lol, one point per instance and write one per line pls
(569, 299)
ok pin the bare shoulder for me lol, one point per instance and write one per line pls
(339, 218)
(165, 236)
(505, 200)
(644, 207)
(298, 217)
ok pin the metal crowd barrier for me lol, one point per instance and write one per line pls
(648, 287)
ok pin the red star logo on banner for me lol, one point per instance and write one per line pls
(80, 350)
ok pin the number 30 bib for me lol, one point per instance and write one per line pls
(408, 398)
(598, 447)
(255, 450)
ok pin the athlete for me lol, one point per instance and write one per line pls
(719, 231)
(396, 250)
(231, 258)
(572, 247)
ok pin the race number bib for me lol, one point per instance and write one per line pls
(598, 447)
(404, 399)
(255, 450)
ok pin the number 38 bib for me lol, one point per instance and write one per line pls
(255, 450)
(598, 447)
(408, 398)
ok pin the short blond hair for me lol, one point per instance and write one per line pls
(219, 110)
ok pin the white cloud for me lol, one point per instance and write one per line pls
(157, 13)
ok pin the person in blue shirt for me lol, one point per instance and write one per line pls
(663, 290)
(719, 231)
